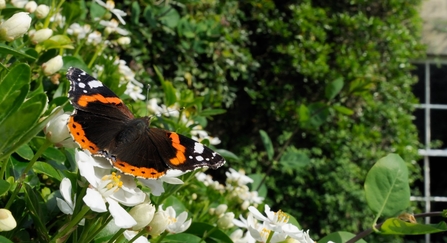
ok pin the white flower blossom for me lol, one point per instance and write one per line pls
(110, 5)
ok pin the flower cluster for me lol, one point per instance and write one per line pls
(272, 227)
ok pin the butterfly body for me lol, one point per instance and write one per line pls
(102, 124)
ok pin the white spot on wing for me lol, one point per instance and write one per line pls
(198, 148)
(199, 158)
(94, 84)
(81, 85)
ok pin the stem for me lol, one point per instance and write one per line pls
(26, 170)
(74, 221)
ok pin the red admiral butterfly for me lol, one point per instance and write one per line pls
(102, 124)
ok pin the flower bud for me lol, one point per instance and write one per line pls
(226, 221)
(53, 65)
(56, 130)
(2, 4)
(123, 41)
(15, 26)
(159, 223)
(31, 6)
(7, 221)
(42, 11)
(40, 35)
(221, 209)
(143, 214)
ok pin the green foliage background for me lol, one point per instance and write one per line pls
(272, 65)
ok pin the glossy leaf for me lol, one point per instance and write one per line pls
(25, 152)
(387, 188)
(267, 144)
(333, 88)
(13, 89)
(4, 187)
(38, 211)
(182, 237)
(394, 226)
(45, 168)
(339, 237)
(202, 229)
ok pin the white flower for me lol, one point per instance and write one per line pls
(130, 234)
(94, 38)
(110, 188)
(2, 4)
(226, 221)
(59, 19)
(177, 224)
(156, 186)
(112, 26)
(15, 26)
(53, 65)
(42, 11)
(110, 5)
(221, 209)
(66, 205)
(238, 236)
(40, 35)
(237, 177)
(30, 7)
(7, 221)
(143, 214)
(134, 91)
(79, 31)
(123, 40)
(19, 3)
(274, 220)
(56, 130)
(160, 222)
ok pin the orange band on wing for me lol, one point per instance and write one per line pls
(180, 154)
(85, 99)
(142, 172)
(78, 135)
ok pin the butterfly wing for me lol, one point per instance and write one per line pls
(157, 151)
(99, 114)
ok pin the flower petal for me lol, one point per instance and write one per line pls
(63, 206)
(65, 189)
(122, 218)
(95, 201)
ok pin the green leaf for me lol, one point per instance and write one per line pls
(227, 154)
(4, 49)
(267, 144)
(175, 203)
(319, 112)
(182, 237)
(25, 152)
(343, 110)
(71, 61)
(386, 186)
(168, 16)
(293, 159)
(54, 154)
(44, 168)
(13, 90)
(212, 112)
(58, 42)
(4, 239)
(257, 179)
(394, 226)
(202, 229)
(340, 237)
(20, 122)
(38, 211)
(4, 187)
(333, 88)
(136, 11)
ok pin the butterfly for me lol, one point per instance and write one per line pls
(102, 124)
